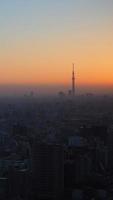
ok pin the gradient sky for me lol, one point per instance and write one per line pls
(39, 40)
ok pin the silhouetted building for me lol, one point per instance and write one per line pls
(19, 183)
(48, 170)
(3, 188)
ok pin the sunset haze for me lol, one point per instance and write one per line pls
(39, 40)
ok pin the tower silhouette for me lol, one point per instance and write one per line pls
(73, 80)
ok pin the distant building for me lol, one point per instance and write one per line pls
(77, 141)
(61, 94)
(69, 92)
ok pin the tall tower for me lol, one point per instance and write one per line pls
(73, 80)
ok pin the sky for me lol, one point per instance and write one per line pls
(40, 39)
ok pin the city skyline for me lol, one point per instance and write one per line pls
(39, 41)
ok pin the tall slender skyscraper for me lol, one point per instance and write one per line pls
(73, 80)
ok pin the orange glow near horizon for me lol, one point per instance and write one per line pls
(42, 52)
(54, 67)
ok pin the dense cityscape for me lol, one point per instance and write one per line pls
(56, 147)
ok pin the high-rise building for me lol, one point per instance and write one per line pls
(48, 170)
(73, 80)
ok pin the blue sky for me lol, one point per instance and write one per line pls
(21, 16)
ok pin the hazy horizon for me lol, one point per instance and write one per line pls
(26, 89)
